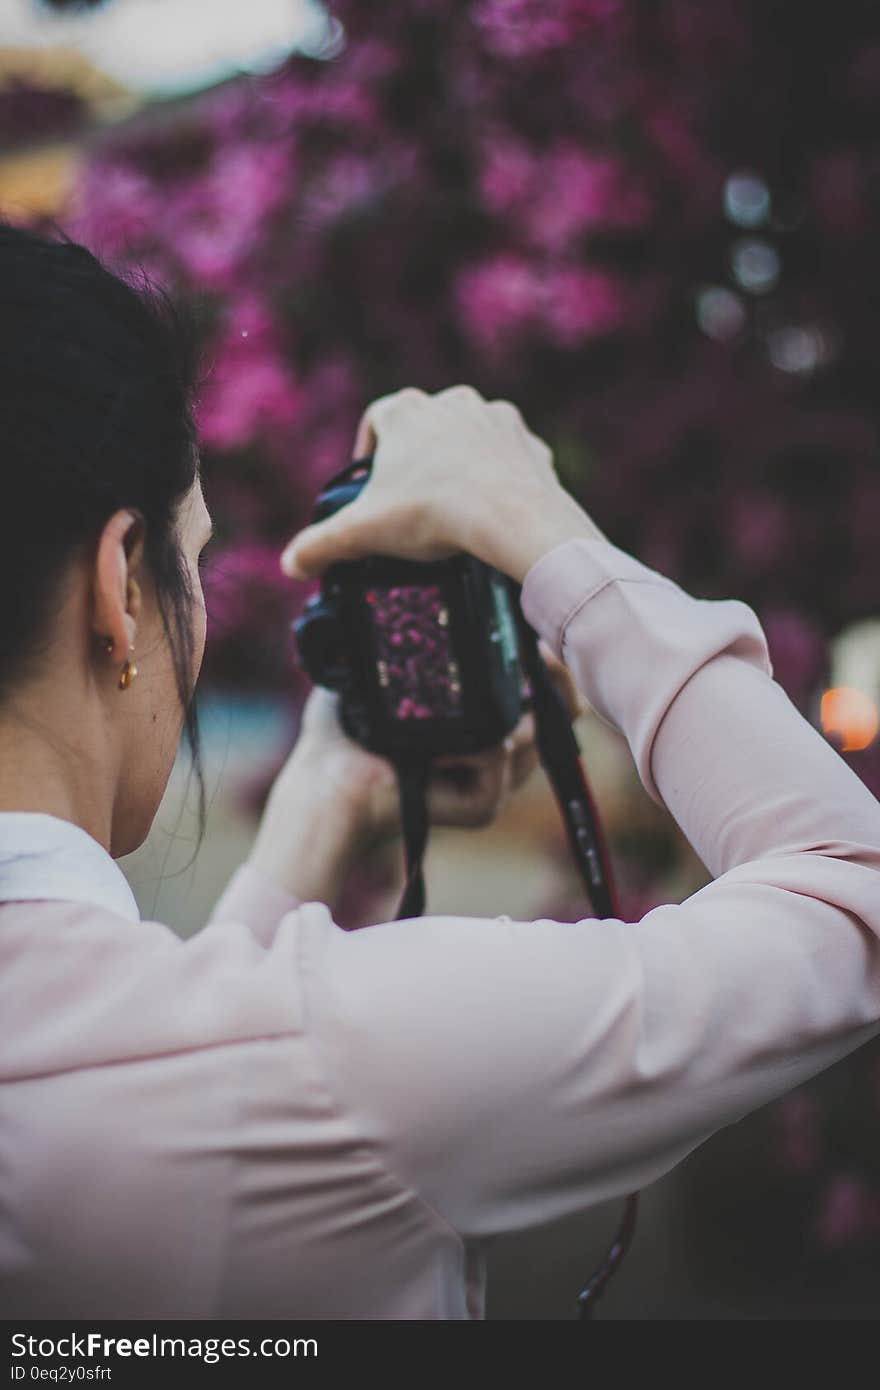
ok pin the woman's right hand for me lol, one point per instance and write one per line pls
(451, 472)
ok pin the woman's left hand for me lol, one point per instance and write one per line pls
(463, 789)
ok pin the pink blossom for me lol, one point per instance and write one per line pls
(352, 179)
(508, 174)
(340, 104)
(215, 221)
(247, 393)
(226, 111)
(372, 60)
(248, 321)
(239, 583)
(576, 191)
(498, 297)
(347, 181)
(581, 304)
(560, 195)
(511, 296)
(114, 208)
(522, 28)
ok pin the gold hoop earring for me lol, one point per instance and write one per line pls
(129, 670)
(128, 673)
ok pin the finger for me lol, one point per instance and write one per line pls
(343, 536)
(522, 751)
(506, 410)
(365, 440)
(523, 764)
(379, 412)
(460, 395)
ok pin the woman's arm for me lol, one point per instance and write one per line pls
(512, 1072)
(333, 802)
(309, 834)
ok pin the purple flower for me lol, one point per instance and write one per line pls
(239, 583)
(226, 111)
(498, 298)
(524, 28)
(578, 191)
(353, 179)
(249, 392)
(509, 296)
(343, 184)
(580, 304)
(216, 221)
(558, 196)
(249, 322)
(114, 208)
(508, 174)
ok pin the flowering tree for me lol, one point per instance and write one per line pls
(651, 226)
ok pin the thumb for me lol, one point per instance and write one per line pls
(342, 536)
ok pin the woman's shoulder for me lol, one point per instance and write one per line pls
(81, 986)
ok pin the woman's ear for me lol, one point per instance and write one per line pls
(116, 591)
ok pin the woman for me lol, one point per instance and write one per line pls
(277, 1118)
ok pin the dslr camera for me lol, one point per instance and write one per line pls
(426, 656)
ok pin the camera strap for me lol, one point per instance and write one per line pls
(560, 757)
(412, 781)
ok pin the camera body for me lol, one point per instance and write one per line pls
(425, 656)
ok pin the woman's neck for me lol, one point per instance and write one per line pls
(49, 762)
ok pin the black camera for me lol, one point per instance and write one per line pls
(425, 656)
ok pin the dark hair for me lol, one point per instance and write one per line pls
(97, 375)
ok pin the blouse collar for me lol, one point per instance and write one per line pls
(45, 857)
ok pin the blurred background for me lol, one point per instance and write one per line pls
(654, 228)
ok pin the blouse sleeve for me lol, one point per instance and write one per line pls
(254, 900)
(513, 1072)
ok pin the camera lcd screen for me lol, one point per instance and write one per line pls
(417, 672)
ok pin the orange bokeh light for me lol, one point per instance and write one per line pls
(851, 716)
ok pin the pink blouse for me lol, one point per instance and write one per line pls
(280, 1119)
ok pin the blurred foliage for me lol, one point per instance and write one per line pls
(651, 226)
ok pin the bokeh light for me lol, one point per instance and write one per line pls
(850, 716)
(755, 265)
(746, 200)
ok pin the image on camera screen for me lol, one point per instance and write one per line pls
(418, 675)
